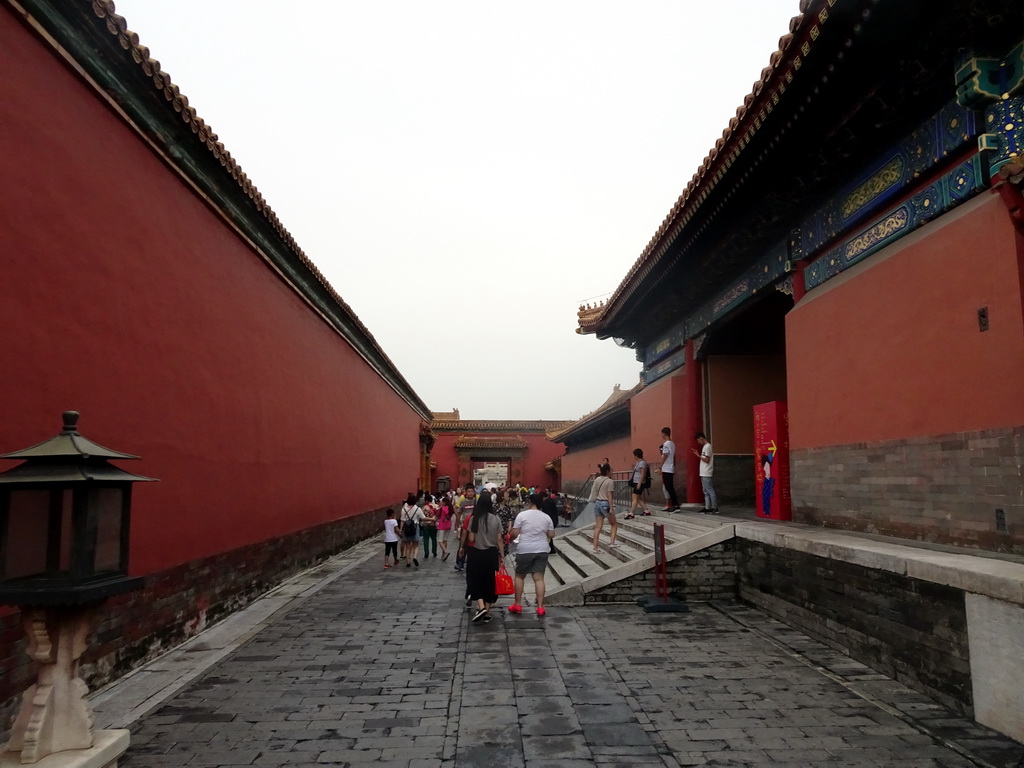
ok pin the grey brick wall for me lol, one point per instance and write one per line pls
(912, 630)
(734, 480)
(701, 577)
(943, 488)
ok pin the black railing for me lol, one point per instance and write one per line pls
(577, 494)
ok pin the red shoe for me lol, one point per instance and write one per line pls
(540, 611)
(515, 608)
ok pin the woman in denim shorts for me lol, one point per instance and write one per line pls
(602, 496)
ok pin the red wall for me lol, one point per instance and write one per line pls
(891, 348)
(126, 298)
(579, 465)
(736, 385)
(652, 408)
(539, 452)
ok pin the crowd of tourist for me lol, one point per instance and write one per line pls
(480, 525)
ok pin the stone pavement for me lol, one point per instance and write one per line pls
(370, 666)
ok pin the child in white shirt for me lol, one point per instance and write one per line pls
(390, 538)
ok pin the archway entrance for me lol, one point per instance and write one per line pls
(500, 460)
(495, 471)
(744, 365)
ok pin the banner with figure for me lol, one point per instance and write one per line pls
(771, 460)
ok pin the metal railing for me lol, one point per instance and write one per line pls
(577, 494)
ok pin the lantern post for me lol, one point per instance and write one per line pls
(65, 517)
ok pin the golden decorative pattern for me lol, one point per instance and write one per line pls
(888, 177)
(890, 225)
(734, 293)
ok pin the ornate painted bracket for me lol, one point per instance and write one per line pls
(982, 81)
(997, 87)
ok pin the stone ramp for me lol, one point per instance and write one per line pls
(577, 570)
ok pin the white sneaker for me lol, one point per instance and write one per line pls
(616, 545)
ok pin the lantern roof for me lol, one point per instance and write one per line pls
(68, 457)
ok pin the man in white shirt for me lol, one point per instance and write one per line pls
(707, 471)
(534, 530)
(668, 469)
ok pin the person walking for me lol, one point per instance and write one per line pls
(668, 469)
(603, 498)
(640, 481)
(534, 531)
(484, 549)
(549, 505)
(503, 510)
(391, 538)
(444, 525)
(463, 509)
(707, 472)
(410, 527)
(428, 527)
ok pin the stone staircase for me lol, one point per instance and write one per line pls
(577, 569)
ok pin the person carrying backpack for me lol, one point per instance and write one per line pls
(410, 526)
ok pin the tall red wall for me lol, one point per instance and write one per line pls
(736, 384)
(652, 408)
(578, 465)
(125, 297)
(539, 451)
(891, 348)
(905, 418)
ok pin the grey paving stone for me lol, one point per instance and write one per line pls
(364, 672)
(616, 734)
(488, 756)
(567, 747)
(549, 725)
(605, 713)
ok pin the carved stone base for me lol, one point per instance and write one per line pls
(107, 748)
(54, 714)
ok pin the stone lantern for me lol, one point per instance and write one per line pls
(65, 516)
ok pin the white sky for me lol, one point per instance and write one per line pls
(466, 173)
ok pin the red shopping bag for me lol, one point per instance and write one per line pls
(503, 582)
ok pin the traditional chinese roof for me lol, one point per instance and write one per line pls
(495, 426)
(452, 415)
(598, 419)
(490, 443)
(110, 58)
(848, 78)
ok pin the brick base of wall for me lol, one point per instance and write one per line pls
(912, 630)
(701, 577)
(177, 603)
(948, 489)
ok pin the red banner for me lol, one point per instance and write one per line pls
(771, 460)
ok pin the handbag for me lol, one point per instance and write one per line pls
(503, 582)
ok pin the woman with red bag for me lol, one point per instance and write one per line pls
(485, 547)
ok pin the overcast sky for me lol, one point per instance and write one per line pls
(465, 174)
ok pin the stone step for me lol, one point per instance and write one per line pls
(635, 557)
(635, 542)
(607, 557)
(576, 562)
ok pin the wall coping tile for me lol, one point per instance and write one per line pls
(999, 579)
